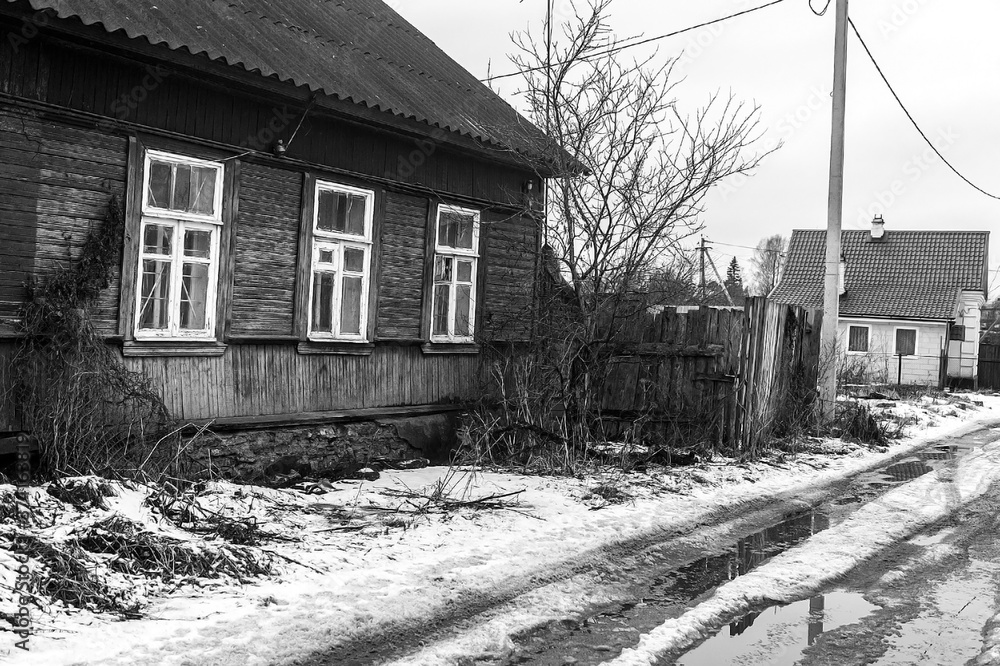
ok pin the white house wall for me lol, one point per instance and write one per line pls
(963, 355)
(880, 364)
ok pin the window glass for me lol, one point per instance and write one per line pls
(350, 318)
(154, 294)
(464, 271)
(323, 292)
(198, 243)
(858, 339)
(463, 310)
(906, 341)
(160, 184)
(354, 260)
(156, 239)
(184, 188)
(456, 229)
(442, 296)
(194, 296)
(341, 213)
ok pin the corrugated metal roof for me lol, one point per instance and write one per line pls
(356, 50)
(908, 275)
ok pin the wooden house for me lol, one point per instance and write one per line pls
(910, 300)
(325, 213)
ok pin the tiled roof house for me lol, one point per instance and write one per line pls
(905, 297)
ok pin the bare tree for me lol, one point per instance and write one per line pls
(628, 172)
(631, 169)
(767, 262)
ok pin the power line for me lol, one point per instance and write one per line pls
(908, 115)
(622, 47)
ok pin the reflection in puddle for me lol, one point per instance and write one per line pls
(777, 635)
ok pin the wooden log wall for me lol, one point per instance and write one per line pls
(8, 417)
(275, 379)
(55, 183)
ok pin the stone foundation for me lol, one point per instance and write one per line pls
(323, 450)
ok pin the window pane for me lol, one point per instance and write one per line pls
(327, 257)
(202, 197)
(464, 271)
(439, 323)
(356, 215)
(154, 294)
(463, 310)
(182, 188)
(160, 178)
(354, 260)
(906, 341)
(858, 339)
(455, 230)
(332, 213)
(198, 244)
(323, 292)
(350, 317)
(157, 239)
(442, 269)
(194, 296)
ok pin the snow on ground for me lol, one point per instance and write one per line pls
(364, 559)
(801, 571)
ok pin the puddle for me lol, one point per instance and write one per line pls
(777, 635)
(661, 591)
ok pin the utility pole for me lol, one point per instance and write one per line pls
(702, 250)
(831, 290)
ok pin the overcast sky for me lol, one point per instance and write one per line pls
(942, 57)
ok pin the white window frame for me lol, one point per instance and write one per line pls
(180, 222)
(847, 342)
(916, 340)
(339, 242)
(455, 254)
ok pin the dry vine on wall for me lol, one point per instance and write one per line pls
(88, 411)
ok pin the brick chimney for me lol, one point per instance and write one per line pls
(878, 229)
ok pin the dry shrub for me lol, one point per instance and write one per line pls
(82, 493)
(87, 410)
(859, 423)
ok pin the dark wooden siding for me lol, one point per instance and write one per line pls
(8, 419)
(510, 272)
(275, 379)
(401, 283)
(24, 68)
(266, 247)
(55, 184)
(84, 80)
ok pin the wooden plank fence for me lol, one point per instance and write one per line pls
(727, 374)
(989, 366)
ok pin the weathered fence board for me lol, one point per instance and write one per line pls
(989, 366)
(724, 373)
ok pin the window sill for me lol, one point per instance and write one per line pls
(450, 348)
(173, 348)
(333, 347)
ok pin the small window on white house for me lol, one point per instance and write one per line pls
(341, 263)
(906, 341)
(453, 299)
(178, 247)
(857, 339)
